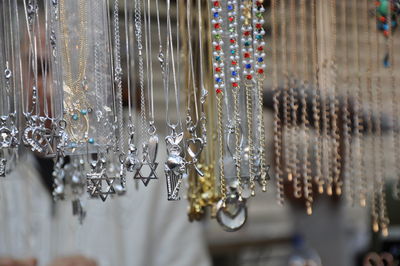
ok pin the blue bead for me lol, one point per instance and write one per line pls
(385, 27)
(84, 111)
(248, 66)
(230, 7)
(91, 140)
(217, 58)
(73, 145)
(258, 37)
(234, 73)
(75, 117)
(218, 80)
(216, 14)
(260, 59)
(233, 51)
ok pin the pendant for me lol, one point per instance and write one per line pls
(194, 146)
(175, 167)
(3, 164)
(147, 168)
(59, 180)
(77, 210)
(232, 214)
(98, 183)
(132, 162)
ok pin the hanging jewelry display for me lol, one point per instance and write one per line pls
(10, 83)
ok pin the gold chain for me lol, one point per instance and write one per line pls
(294, 104)
(307, 180)
(315, 102)
(277, 119)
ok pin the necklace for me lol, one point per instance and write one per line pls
(277, 117)
(259, 57)
(9, 132)
(150, 147)
(175, 166)
(194, 144)
(75, 87)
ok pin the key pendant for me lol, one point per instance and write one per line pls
(175, 167)
(78, 210)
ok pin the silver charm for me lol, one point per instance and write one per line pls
(8, 132)
(194, 145)
(3, 164)
(98, 183)
(175, 167)
(132, 162)
(148, 166)
(120, 188)
(59, 180)
(77, 210)
(232, 213)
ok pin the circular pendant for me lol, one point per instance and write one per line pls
(234, 215)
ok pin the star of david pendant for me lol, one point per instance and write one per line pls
(99, 185)
(144, 168)
(146, 171)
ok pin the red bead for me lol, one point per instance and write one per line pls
(218, 91)
(260, 48)
(258, 25)
(382, 19)
(386, 33)
(232, 40)
(246, 33)
(218, 69)
(260, 71)
(231, 19)
(235, 84)
(234, 63)
(217, 25)
(249, 77)
(377, 3)
(216, 3)
(218, 47)
(259, 3)
(246, 55)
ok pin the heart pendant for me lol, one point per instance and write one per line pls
(194, 147)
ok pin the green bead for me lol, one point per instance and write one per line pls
(259, 15)
(218, 36)
(84, 111)
(232, 29)
(383, 8)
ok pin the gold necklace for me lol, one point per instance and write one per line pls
(75, 101)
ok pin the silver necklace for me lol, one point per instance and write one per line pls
(194, 144)
(175, 166)
(150, 147)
